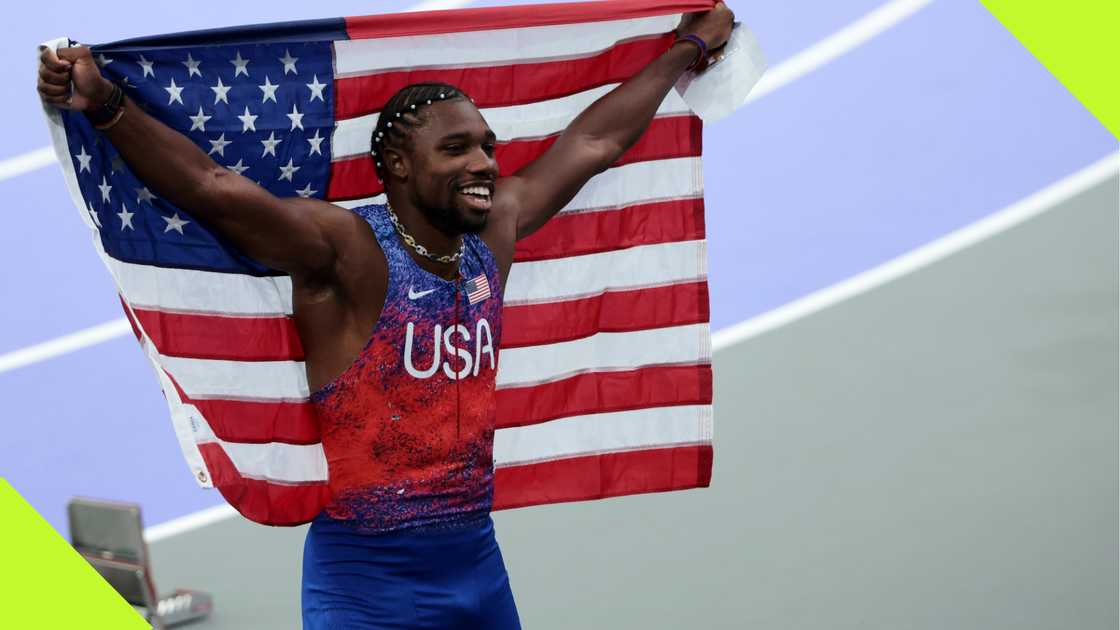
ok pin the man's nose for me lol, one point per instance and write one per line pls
(482, 163)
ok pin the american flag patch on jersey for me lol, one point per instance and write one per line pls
(478, 289)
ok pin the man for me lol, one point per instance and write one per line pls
(398, 308)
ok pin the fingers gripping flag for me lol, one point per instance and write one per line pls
(604, 382)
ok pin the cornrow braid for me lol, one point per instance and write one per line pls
(401, 117)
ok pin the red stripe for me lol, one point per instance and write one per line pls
(578, 233)
(131, 321)
(264, 502)
(666, 137)
(612, 311)
(602, 392)
(490, 18)
(256, 422)
(601, 476)
(221, 337)
(504, 85)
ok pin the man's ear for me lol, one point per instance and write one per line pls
(396, 163)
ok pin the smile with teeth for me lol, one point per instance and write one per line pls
(478, 191)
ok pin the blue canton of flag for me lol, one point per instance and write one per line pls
(477, 288)
(264, 111)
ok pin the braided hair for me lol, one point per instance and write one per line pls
(402, 115)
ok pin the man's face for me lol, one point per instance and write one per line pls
(453, 169)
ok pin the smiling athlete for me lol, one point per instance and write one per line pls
(398, 308)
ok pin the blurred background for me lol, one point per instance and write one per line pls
(913, 240)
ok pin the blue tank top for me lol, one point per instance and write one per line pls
(408, 428)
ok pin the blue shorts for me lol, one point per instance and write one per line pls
(446, 579)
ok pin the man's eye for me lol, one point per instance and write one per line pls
(454, 148)
(488, 148)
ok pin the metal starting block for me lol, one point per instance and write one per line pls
(110, 536)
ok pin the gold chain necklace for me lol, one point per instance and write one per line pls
(420, 249)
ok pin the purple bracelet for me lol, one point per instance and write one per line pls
(695, 39)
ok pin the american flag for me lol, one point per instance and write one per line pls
(478, 289)
(604, 382)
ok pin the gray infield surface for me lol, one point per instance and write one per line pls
(940, 452)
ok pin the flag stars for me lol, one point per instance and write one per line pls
(289, 62)
(306, 191)
(198, 121)
(238, 168)
(295, 117)
(316, 88)
(83, 159)
(175, 92)
(126, 218)
(220, 91)
(174, 223)
(286, 172)
(270, 144)
(102, 60)
(268, 90)
(93, 215)
(105, 187)
(192, 66)
(240, 66)
(143, 195)
(315, 141)
(146, 67)
(219, 146)
(116, 164)
(248, 121)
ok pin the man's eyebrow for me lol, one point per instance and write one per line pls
(466, 135)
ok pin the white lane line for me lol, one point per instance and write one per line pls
(991, 225)
(439, 5)
(183, 524)
(826, 50)
(65, 344)
(26, 163)
(836, 45)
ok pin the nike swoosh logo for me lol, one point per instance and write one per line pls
(413, 295)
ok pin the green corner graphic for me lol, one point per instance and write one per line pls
(45, 584)
(1078, 42)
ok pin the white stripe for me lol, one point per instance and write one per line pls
(491, 47)
(278, 462)
(622, 186)
(602, 433)
(677, 345)
(676, 178)
(239, 380)
(543, 281)
(351, 136)
(836, 45)
(65, 344)
(1046, 199)
(189, 290)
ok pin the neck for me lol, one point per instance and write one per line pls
(426, 233)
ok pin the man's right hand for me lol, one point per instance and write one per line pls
(71, 79)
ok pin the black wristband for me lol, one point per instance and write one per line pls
(104, 114)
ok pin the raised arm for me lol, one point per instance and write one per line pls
(605, 130)
(299, 236)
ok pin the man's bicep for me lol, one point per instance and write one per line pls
(290, 234)
(544, 186)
